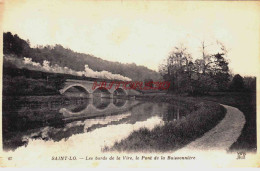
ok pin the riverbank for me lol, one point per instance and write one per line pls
(245, 102)
(222, 136)
(173, 135)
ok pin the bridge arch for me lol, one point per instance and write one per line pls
(62, 91)
(119, 92)
(88, 87)
(101, 92)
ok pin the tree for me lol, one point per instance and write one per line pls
(220, 71)
(209, 73)
(14, 44)
(8, 43)
(250, 83)
(177, 69)
(214, 65)
(237, 83)
(203, 85)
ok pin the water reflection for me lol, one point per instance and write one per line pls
(101, 103)
(80, 105)
(58, 119)
(119, 102)
(172, 114)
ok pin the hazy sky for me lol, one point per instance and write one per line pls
(142, 32)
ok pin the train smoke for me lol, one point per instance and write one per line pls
(46, 67)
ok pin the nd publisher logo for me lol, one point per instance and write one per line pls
(241, 155)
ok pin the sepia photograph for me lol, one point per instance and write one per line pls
(89, 83)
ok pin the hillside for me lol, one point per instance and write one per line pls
(64, 57)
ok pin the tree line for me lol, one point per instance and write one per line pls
(65, 57)
(209, 73)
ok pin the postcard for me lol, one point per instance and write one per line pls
(153, 84)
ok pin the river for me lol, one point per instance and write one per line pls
(93, 123)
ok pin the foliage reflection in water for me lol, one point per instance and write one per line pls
(59, 119)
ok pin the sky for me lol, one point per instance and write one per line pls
(141, 32)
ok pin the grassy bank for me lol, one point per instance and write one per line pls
(174, 135)
(245, 102)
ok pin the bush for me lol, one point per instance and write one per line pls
(237, 83)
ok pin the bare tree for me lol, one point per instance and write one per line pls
(203, 75)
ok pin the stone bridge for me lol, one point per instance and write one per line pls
(87, 87)
(98, 107)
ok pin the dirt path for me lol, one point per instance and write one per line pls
(222, 136)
